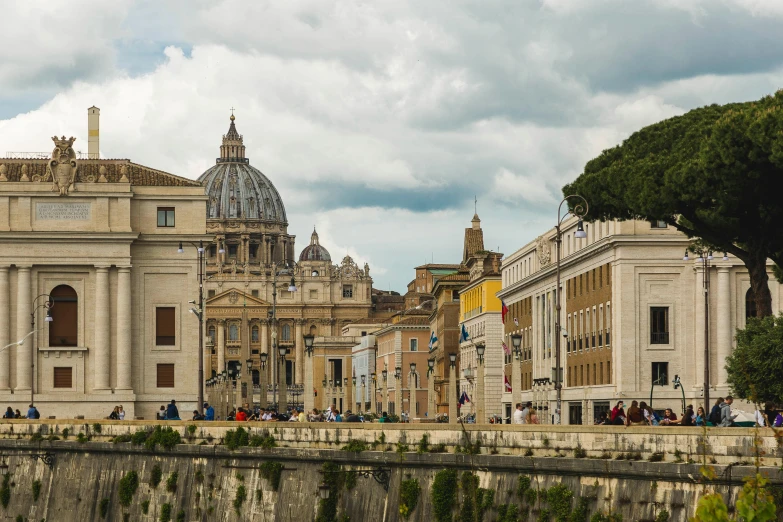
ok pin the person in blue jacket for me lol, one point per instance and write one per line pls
(209, 412)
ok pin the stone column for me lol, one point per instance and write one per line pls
(309, 385)
(5, 330)
(398, 396)
(374, 396)
(101, 352)
(221, 345)
(431, 402)
(24, 305)
(264, 336)
(282, 388)
(363, 397)
(298, 369)
(723, 317)
(481, 417)
(124, 348)
(452, 394)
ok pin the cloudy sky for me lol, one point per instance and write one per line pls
(378, 121)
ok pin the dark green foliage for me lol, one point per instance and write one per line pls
(36, 437)
(127, 437)
(262, 441)
(165, 513)
(409, 496)
(96, 428)
(272, 471)
(470, 509)
(36, 490)
(485, 499)
(239, 498)
(5, 491)
(544, 515)
(663, 516)
(444, 491)
(559, 499)
(181, 515)
(104, 507)
(438, 448)
(656, 457)
(508, 513)
(81, 438)
(192, 429)
(66, 432)
(579, 452)
(140, 437)
(611, 517)
(171, 482)
(155, 476)
(236, 438)
(350, 481)
(523, 485)
(581, 511)
(424, 444)
(199, 475)
(145, 506)
(355, 446)
(327, 509)
(708, 173)
(127, 488)
(753, 365)
(19, 518)
(164, 436)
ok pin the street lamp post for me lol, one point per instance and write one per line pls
(309, 398)
(291, 288)
(283, 404)
(262, 381)
(452, 388)
(398, 391)
(412, 387)
(363, 397)
(47, 305)
(199, 313)
(579, 211)
(431, 407)
(385, 375)
(516, 376)
(373, 399)
(480, 406)
(705, 258)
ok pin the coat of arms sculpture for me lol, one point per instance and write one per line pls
(62, 167)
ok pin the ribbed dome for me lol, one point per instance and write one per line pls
(238, 190)
(314, 251)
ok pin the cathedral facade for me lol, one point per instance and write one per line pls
(259, 293)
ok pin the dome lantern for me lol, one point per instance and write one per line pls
(314, 251)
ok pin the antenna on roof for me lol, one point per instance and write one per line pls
(475, 204)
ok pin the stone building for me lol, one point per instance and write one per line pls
(632, 314)
(98, 238)
(251, 266)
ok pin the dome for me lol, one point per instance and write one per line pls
(314, 251)
(236, 189)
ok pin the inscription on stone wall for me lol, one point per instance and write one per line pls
(63, 211)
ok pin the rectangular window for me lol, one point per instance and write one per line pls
(659, 325)
(660, 373)
(414, 345)
(165, 375)
(600, 276)
(313, 294)
(658, 224)
(165, 216)
(212, 250)
(608, 372)
(594, 287)
(602, 372)
(254, 293)
(253, 250)
(165, 326)
(347, 291)
(63, 377)
(210, 293)
(232, 250)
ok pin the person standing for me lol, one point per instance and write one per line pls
(715, 412)
(518, 417)
(726, 419)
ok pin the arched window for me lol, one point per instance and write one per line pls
(65, 317)
(233, 332)
(254, 334)
(286, 334)
(750, 304)
(211, 333)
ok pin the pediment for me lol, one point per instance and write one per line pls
(234, 297)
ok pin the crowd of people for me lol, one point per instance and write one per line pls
(32, 413)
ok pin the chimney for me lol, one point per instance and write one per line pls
(93, 132)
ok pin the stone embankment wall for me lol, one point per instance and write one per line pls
(658, 469)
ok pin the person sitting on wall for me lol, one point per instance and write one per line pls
(209, 412)
(669, 418)
(115, 414)
(18, 414)
(33, 412)
(241, 416)
(172, 413)
(9, 413)
(197, 416)
(351, 417)
(161, 415)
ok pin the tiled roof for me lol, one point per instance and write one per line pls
(415, 320)
(474, 242)
(89, 172)
(370, 320)
(437, 266)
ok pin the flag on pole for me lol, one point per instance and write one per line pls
(464, 336)
(505, 348)
(464, 398)
(503, 311)
(508, 384)
(433, 340)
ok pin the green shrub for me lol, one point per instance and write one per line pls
(656, 457)
(508, 513)
(181, 515)
(239, 498)
(264, 442)
(36, 490)
(165, 436)
(438, 448)
(5, 491)
(559, 499)
(272, 471)
(199, 475)
(236, 438)
(409, 496)
(155, 476)
(81, 438)
(127, 437)
(171, 482)
(424, 444)
(36, 437)
(19, 518)
(127, 488)
(145, 506)
(192, 429)
(355, 446)
(165, 513)
(97, 427)
(140, 437)
(66, 432)
(444, 491)
(579, 452)
(663, 516)
(104, 507)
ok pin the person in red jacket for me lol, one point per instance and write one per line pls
(241, 415)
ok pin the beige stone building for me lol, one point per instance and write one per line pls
(98, 239)
(632, 311)
(250, 268)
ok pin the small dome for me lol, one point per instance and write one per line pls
(314, 251)
(238, 190)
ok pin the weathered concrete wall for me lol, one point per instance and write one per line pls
(85, 473)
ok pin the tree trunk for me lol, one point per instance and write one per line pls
(759, 278)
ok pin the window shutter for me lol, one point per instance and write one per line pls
(63, 377)
(165, 326)
(165, 376)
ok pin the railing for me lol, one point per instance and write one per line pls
(659, 337)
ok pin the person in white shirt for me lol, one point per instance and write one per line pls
(518, 417)
(526, 412)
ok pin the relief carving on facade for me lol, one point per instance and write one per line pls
(62, 166)
(543, 250)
